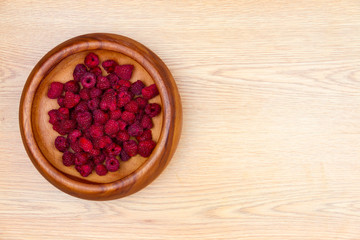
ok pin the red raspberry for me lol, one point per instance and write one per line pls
(93, 104)
(132, 106)
(108, 101)
(124, 71)
(100, 117)
(81, 158)
(112, 164)
(95, 152)
(68, 125)
(130, 147)
(74, 135)
(97, 71)
(85, 144)
(122, 136)
(54, 116)
(146, 122)
(85, 94)
(99, 158)
(79, 70)
(61, 143)
(72, 86)
(68, 158)
(103, 83)
(71, 99)
(145, 136)
(128, 117)
(152, 109)
(142, 102)
(146, 148)
(115, 115)
(96, 131)
(109, 65)
(113, 149)
(122, 124)
(95, 92)
(135, 130)
(123, 99)
(57, 127)
(122, 84)
(101, 170)
(88, 80)
(75, 147)
(113, 79)
(60, 101)
(85, 170)
(124, 156)
(150, 91)
(102, 142)
(91, 60)
(63, 113)
(82, 106)
(136, 87)
(111, 127)
(84, 120)
(55, 90)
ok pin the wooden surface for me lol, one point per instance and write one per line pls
(271, 137)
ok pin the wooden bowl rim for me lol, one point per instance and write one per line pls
(159, 73)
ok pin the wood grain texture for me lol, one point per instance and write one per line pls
(270, 141)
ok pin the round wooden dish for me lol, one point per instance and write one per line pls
(38, 136)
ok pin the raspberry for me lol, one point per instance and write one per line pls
(82, 107)
(113, 149)
(91, 60)
(68, 158)
(75, 147)
(130, 147)
(128, 116)
(54, 116)
(60, 101)
(145, 136)
(85, 94)
(57, 127)
(124, 156)
(135, 130)
(108, 101)
(103, 83)
(99, 158)
(95, 92)
(124, 71)
(79, 70)
(109, 65)
(63, 113)
(55, 90)
(86, 133)
(84, 120)
(123, 99)
(142, 102)
(146, 147)
(139, 116)
(122, 136)
(85, 170)
(112, 164)
(115, 115)
(61, 143)
(102, 142)
(132, 106)
(72, 86)
(136, 87)
(150, 91)
(81, 158)
(68, 125)
(88, 80)
(123, 84)
(93, 104)
(85, 144)
(97, 71)
(101, 170)
(100, 117)
(152, 109)
(96, 131)
(111, 127)
(74, 135)
(71, 99)
(95, 152)
(146, 122)
(122, 124)
(113, 79)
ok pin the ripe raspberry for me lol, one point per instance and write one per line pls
(111, 127)
(57, 127)
(145, 136)
(102, 142)
(88, 80)
(136, 87)
(93, 104)
(130, 147)
(113, 79)
(85, 170)
(74, 135)
(54, 116)
(61, 143)
(95, 92)
(79, 70)
(142, 102)
(109, 65)
(135, 130)
(99, 158)
(97, 71)
(123, 99)
(124, 156)
(122, 136)
(72, 86)
(71, 99)
(75, 147)
(81, 158)
(152, 109)
(146, 148)
(60, 101)
(128, 117)
(96, 131)
(113, 149)
(63, 113)
(146, 122)
(122, 84)
(112, 164)
(150, 91)
(108, 100)
(68, 125)
(124, 71)
(82, 107)
(115, 115)
(103, 83)
(91, 60)
(84, 120)
(55, 90)
(101, 170)
(85, 94)
(95, 152)
(132, 106)
(85, 144)
(100, 117)
(68, 158)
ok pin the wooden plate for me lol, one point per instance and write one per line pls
(38, 136)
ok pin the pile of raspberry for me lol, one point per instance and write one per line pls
(102, 119)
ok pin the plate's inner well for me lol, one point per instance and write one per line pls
(45, 135)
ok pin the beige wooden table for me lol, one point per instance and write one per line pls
(271, 137)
